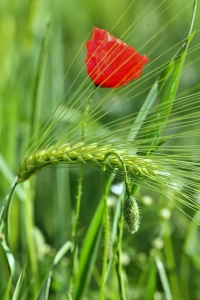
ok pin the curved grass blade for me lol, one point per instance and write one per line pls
(171, 259)
(19, 285)
(191, 246)
(89, 253)
(8, 254)
(11, 263)
(60, 254)
(151, 97)
(151, 283)
(44, 291)
(5, 295)
(114, 235)
(5, 221)
(163, 278)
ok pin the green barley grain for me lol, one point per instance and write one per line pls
(82, 153)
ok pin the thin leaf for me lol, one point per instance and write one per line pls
(44, 291)
(163, 278)
(143, 111)
(19, 285)
(191, 246)
(9, 256)
(5, 214)
(115, 232)
(6, 293)
(151, 283)
(11, 263)
(89, 252)
(63, 250)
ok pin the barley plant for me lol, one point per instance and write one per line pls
(99, 150)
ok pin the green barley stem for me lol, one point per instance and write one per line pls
(78, 203)
(119, 270)
(106, 235)
(106, 216)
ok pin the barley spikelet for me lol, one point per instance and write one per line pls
(82, 153)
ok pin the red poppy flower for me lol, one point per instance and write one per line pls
(110, 62)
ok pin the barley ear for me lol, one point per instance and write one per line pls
(87, 154)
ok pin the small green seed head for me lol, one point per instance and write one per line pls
(131, 213)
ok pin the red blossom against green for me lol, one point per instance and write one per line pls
(110, 62)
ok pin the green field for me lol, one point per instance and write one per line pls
(52, 230)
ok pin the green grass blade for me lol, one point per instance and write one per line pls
(115, 233)
(114, 236)
(151, 283)
(163, 278)
(44, 291)
(62, 207)
(5, 295)
(63, 250)
(191, 246)
(171, 262)
(9, 256)
(151, 97)
(11, 263)
(89, 252)
(19, 285)
(193, 16)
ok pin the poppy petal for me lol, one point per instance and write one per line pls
(111, 62)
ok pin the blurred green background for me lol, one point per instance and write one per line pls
(38, 41)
